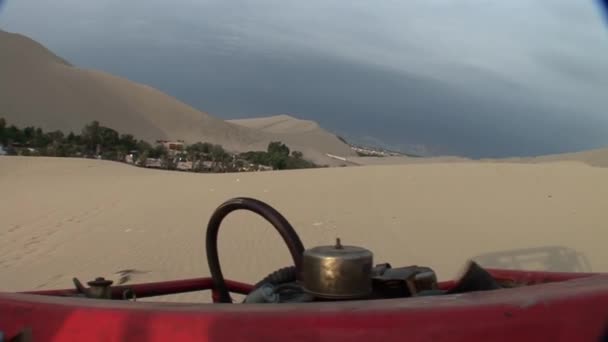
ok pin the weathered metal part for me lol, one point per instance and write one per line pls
(403, 281)
(129, 294)
(100, 288)
(337, 272)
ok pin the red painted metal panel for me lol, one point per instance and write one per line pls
(564, 310)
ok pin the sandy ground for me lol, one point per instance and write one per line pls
(62, 218)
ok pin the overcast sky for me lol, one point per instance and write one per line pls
(468, 77)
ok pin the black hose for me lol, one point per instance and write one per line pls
(280, 276)
(289, 235)
(277, 278)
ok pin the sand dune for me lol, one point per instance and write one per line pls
(41, 89)
(282, 124)
(400, 160)
(74, 217)
(305, 133)
(597, 157)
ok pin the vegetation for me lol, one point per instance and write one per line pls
(97, 141)
(278, 156)
(367, 154)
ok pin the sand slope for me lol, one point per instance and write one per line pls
(305, 133)
(73, 217)
(41, 89)
(597, 157)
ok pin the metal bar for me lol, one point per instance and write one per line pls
(158, 288)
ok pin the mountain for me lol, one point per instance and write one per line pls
(41, 89)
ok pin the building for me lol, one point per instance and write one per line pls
(184, 165)
(153, 163)
(131, 157)
(173, 146)
(265, 168)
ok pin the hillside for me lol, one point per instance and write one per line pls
(41, 89)
(305, 130)
(299, 132)
(596, 157)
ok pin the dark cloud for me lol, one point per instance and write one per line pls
(508, 78)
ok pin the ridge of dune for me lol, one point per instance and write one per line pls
(282, 124)
(38, 88)
(307, 134)
(596, 157)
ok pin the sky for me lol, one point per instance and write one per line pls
(475, 78)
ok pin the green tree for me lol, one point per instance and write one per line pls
(145, 154)
(158, 151)
(91, 135)
(219, 155)
(28, 134)
(109, 138)
(73, 139)
(143, 146)
(55, 136)
(276, 147)
(297, 154)
(198, 151)
(278, 162)
(14, 135)
(256, 157)
(168, 162)
(127, 142)
(278, 154)
(3, 137)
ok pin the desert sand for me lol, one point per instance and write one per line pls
(64, 218)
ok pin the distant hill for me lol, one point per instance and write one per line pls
(41, 89)
(299, 132)
(596, 157)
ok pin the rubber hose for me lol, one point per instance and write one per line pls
(289, 235)
(280, 276)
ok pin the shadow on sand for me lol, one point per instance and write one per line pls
(545, 258)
